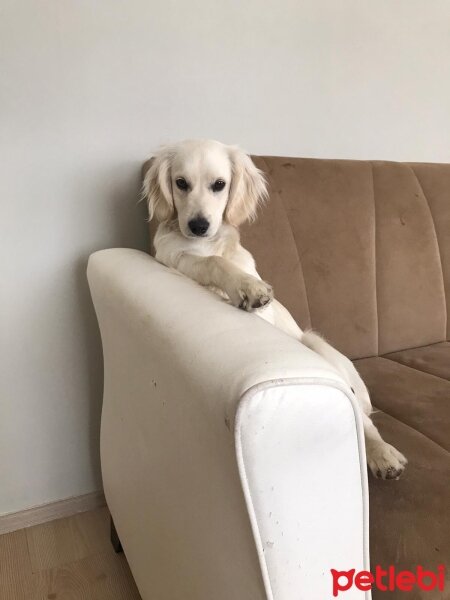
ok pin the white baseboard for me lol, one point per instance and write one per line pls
(50, 512)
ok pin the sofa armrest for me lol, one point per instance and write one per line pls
(232, 455)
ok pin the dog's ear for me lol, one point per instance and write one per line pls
(248, 188)
(156, 189)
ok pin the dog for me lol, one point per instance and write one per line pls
(200, 192)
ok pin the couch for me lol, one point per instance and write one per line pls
(232, 456)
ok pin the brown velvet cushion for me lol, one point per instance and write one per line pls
(410, 292)
(435, 183)
(359, 250)
(327, 211)
(410, 518)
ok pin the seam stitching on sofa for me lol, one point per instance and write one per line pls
(375, 258)
(399, 362)
(438, 248)
(413, 368)
(295, 246)
(248, 395)
(386, 355)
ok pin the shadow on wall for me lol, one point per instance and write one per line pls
(125, 225)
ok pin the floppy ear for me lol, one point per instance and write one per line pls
(156, 188)
(248, 188)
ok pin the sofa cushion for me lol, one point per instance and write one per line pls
(416, 398)
(327, 211)
(358, 250)
(410, 518)
(435, 183)
(410, 292)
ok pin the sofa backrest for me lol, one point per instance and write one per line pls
(358, 250)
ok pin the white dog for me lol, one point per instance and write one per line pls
(200, 191)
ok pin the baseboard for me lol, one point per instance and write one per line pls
(50, 512)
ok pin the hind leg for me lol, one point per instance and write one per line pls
(385, 461)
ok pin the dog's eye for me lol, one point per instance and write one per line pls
(218, 185)
(181, 183)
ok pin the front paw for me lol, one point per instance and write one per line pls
(385, 461)
(251, 293)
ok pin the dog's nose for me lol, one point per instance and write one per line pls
(198, 226)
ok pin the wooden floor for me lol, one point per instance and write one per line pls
(68, 559)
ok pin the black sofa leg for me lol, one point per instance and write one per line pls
(115, 541)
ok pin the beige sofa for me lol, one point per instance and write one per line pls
(232, 456)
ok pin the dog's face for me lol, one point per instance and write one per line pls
(200, 180)
(202, 183)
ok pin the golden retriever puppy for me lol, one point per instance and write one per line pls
(200, 192)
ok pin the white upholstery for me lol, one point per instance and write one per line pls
(232, 456)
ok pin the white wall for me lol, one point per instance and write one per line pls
(90, 87)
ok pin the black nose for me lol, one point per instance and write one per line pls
(198, 226)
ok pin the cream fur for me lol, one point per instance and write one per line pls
(218, 260)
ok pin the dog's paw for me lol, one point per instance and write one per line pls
(252, 293)
(385, 461)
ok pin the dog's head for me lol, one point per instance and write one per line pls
(203, 183)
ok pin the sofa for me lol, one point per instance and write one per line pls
(232, 456)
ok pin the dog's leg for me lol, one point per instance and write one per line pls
(385, 461)
(244, 291)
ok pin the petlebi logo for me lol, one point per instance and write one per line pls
(388, 579)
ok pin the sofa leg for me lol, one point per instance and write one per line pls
(115, 541)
